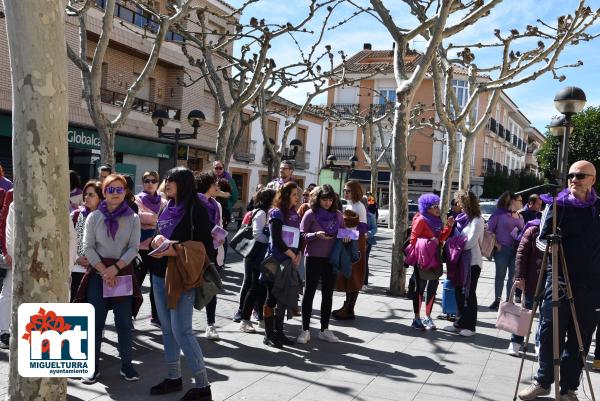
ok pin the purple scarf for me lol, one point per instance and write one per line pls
(565, 198)
(225, 175)
(170, 218)
(462, 220)
(434, 223)
(328, 220)
(211, 208)
(152, 202)
(112, 219)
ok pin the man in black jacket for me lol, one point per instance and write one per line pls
(578, 219)
(531, 211)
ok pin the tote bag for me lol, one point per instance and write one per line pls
(243, 241)
(513, 318)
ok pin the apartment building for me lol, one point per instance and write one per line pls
(502, 146)
(138, 147)
(248, 165)
(535, 140)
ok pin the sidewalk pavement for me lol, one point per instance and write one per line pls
(379, 356)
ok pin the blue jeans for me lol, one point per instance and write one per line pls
(176, 326)
(505, 260)
(587, 306)
(123, 313)
(528, 304)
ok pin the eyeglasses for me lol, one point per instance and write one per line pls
(347, 190)
(114, 190)
(90, 194)
(218, 168)
(579, 176)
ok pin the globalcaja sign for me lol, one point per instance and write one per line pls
(56, 340)
(82, 138)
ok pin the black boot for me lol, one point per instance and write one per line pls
(270, 337)
(279, 333)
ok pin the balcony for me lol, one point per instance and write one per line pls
(342, 153)
(501, 131)
(302, 160)
(141, 105)
(137, 18)
(507, 135)
(344, 109)
(245, 151)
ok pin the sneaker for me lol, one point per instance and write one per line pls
(246, 327)
(155, 322)
(4, 340)
(327, 335)
(466, 333)
(494, 305)
(569, 396)
(167, 386)
(91, 379)
(237, 316)
(211, 333)
(417, 324)
(128, 373)
(255, 317)
(451, 328)
(198, 394)
(534, 391)
(428, 323)
(513, 349)
(303, 337)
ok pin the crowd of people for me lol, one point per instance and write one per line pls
(302, 240)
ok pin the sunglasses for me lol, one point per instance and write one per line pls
(218, 168)
(150, 181)
(434, 207)
(579, 176)
(115, 190)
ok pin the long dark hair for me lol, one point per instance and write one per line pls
(324, 191)
(282, 200)
(186, 186)
(263, 199)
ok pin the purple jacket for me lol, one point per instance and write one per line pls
(454, 250)
(424, 253)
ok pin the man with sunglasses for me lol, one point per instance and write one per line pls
(234, 195)
(286, 174)
(578, 221)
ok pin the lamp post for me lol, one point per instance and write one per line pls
(331, 159)
(569, 101)
(160, 118)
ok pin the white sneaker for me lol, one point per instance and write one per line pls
(327, 335)
(247, 327)
(211, 332)
(303, 337)
(451, 328)
(513, 349)
(466, 333)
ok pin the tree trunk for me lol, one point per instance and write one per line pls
(400, 186)
(466, 152)
(107, 144)
(391, 199)
(448, 175)
(38, 57)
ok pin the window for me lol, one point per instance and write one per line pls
(272, 127)
(461, 88)
(343, 137)
(387, 95)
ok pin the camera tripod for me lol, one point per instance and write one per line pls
(555, 249)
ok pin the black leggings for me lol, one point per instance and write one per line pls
(318, 268)
(420, 286)
(253, 292)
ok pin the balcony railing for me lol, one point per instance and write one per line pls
(501, 131)
(507, 135)
(345, 109)
(302, 160)
(342, 153)
(139, 19)
(141, 105)
(245, 151)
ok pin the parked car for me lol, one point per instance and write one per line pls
(384, 214)
(487, 208)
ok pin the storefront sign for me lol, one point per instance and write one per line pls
(83, 138)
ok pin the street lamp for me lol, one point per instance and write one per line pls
(160, 118)
(568, 101)
(331, 159)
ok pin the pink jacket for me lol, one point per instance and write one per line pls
(424, 253)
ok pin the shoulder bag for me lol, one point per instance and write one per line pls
(513, 318)
(243, 241)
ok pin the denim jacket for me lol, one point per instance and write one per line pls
(343, 256)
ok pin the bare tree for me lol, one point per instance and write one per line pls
(91, 71)
(515, 68)
(40, 120)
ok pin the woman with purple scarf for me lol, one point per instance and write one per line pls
(506, 223)
(149, 203)
(183, 219)
(206, 185)
(319, 228)
(470, 225)
(427, 224)
(111, 239)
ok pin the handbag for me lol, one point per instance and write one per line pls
(513, 318)
(243, 241)
(487, 243)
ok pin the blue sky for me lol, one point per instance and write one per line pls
(535, 99)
